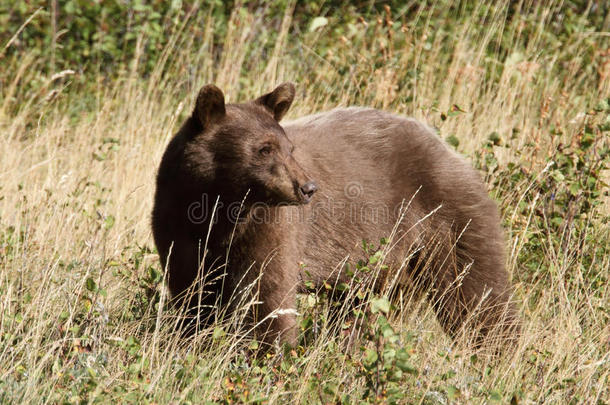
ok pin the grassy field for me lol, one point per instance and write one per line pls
(521, 89)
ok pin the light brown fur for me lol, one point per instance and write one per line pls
(363, 161)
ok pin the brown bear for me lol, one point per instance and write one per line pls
(231, 211)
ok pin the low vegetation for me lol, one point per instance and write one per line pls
(90, 94)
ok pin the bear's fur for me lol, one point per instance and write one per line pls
(236, 160)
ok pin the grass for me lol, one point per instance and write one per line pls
(82, 314)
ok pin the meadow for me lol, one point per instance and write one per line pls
(91, 93)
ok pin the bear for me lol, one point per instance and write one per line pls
(244, 201)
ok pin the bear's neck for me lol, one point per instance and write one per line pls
(222, 222)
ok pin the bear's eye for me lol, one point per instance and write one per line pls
(265, 150)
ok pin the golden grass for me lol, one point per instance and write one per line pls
(77, 189)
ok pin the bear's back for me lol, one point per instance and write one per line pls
(369, 163)
(383, 151)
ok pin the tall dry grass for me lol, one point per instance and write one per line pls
(77, 178)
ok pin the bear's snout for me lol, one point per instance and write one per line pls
(307, 190)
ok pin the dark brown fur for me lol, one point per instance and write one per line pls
(366, 163)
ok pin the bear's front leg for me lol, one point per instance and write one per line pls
(274, 315)
(277, 327)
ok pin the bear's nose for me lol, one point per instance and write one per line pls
(308, 189)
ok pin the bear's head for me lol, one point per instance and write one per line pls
(243, 149)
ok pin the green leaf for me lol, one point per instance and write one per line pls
(370, 358)
(318, 22)
(453, 392)
(91, 285)
(388, 332)
(557, 176)
(389, 354)
(494, 138)
(342, 287)
(574, 188)
(218, 333)
(375, 258)
(380, 304)
(602, 106)
(109, 222)
(406, 367)
(306, 323)
(495, 396)
(453, 141)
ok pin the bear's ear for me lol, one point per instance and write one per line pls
(210, 105)
(279, 100)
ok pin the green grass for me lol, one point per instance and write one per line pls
(521, 90)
